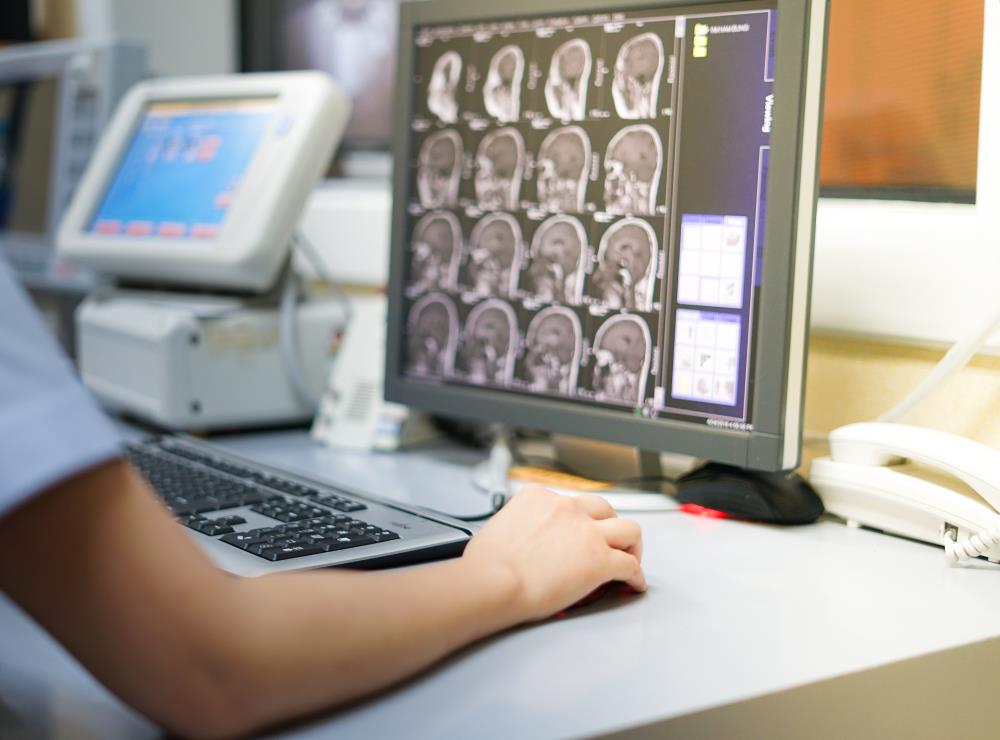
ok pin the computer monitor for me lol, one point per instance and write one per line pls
(55, 98)
(603, 219)
(201, 181)
(354, 41)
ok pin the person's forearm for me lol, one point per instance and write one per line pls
(125, 589)
(362, 632)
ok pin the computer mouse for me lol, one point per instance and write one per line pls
(776, 498)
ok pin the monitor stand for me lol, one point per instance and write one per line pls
(631, 479)
(606, 461)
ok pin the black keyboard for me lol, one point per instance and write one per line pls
(299, 519)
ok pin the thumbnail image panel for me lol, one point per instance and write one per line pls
(557, 261)
(552, 351)
(432, 334)
(435, 253)
(621, 354)
(488, 345)
(440, 158)
(713, 255)
(494, 255)
(627, 265)
(706, 357)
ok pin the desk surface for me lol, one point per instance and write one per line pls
(734, 611)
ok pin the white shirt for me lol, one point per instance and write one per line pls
(50, 426)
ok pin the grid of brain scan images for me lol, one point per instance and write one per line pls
(545, 208)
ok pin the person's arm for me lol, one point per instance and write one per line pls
(99, 563)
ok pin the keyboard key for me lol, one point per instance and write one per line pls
(243, 540)
(348, 506)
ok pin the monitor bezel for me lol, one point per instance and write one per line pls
(774, 443)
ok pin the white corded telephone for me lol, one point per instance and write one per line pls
(916, 482)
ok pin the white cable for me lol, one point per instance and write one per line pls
(974, 546)
(954, 360)
(308, 250)
(288, 342)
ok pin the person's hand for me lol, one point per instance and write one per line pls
(558, 549)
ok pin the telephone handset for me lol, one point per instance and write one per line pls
(919, 483)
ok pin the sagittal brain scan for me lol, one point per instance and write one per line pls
(488, 343)
(632, 167)
(566, 85)
(441, 91)
(435, 252)
(621, 360)
(636, 82)
(494, 260)
(432, 334)
(502, 89)
(563, 162)
(554, 342)
(499, 169)
(439, 169)
(626, 266)
(557, 261)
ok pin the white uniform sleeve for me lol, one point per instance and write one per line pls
(50, 426)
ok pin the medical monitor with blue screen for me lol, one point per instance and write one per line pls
(182, 169)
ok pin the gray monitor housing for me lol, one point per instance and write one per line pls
(65, 92)
(772, 439)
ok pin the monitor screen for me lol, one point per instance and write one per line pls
(27, 129)
(181, 170)
(585, 214)
(354, 41)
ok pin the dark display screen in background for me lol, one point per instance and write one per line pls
(354, 41)
(586, 207)
(182, 168)
(27, 121)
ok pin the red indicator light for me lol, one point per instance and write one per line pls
(703, 511)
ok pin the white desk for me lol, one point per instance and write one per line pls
(740, 631)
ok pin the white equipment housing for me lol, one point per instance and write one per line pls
(200, 183)
(185, 362)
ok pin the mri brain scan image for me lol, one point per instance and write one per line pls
(626, 266)
(499, 168)
(563, 161)
(441, 98)
(435, 252)
(488, 346)
(557, 261)
(632, 165)
(622, 355)
(566, 85)
(502, 89)
(432, 334)
(439, 169)
(494, 259)
(554, 342)
(636, 81)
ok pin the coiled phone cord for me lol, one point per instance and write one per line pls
(970, 547)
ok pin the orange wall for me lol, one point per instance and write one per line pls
(902, 93)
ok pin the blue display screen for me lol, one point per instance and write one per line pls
(182, 169)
